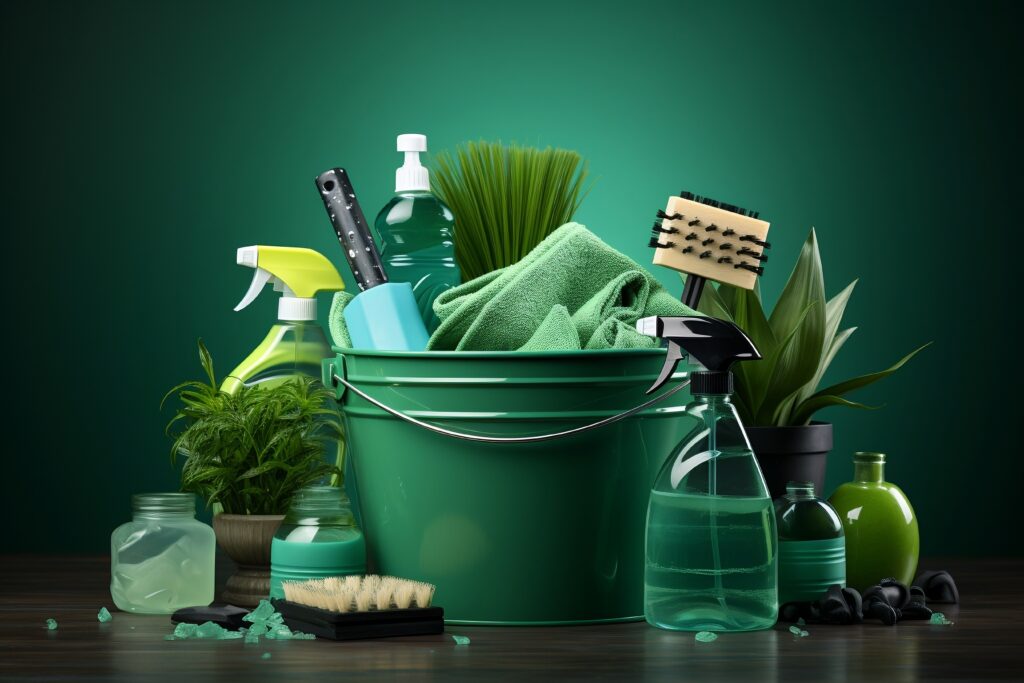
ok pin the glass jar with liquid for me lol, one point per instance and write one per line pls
(318, 538)
(163, 559)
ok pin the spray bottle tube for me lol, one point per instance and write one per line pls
(384, 316)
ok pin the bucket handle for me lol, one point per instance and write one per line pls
(336, 379)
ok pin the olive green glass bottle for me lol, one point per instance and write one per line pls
(881, 529)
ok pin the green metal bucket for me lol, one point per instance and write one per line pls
(547, 532)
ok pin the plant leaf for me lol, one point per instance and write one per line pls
(800, 309)
(806, 284)
(864, 380)
(834, 309)
(804, 411)
(206, 360)
(749, 315)
(774, 377)
(837, 343)
(251, 450)
(752, 377)
(713, 304)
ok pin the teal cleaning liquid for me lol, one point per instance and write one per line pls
(301, 559)
(812, 545)
(712, 545)
(319, 537)
(416, 234)
(685, 588)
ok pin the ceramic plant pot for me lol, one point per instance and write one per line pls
(246, 539)
(788, 454)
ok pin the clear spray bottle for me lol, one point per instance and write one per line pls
(712, 544)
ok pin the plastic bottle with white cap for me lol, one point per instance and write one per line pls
(417, 232)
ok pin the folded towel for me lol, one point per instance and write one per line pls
(572, 291)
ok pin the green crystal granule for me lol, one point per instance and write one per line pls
(263, 612)
(940, 619)
(51, 624)
(103, 615)
(269, 623)
(206, 631)
(266, 655)
(801, 622)
(280, 632)
(706, 637)
(461, 640)
(185, 630)
(797, 631)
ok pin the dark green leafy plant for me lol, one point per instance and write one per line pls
(798, 341)
(252, 450)
(506, 199)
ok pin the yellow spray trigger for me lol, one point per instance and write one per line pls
(301, 273)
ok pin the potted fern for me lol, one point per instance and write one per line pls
(778, 397)
(247, 453)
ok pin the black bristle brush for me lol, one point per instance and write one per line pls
(734, 262)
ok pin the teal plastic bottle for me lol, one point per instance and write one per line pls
(711, 544)
(318, 538)
(812, 546)
(417, 232)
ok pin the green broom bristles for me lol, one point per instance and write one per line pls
(506, 200)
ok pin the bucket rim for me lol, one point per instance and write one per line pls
(374, 353)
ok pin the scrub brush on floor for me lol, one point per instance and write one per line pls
(355, 607)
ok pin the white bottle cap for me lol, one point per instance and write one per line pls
(296, 308)
(412, 176)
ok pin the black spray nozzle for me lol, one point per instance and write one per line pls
(351, 227)
(713, 343)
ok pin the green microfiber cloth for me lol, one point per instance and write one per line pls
(336, 321)
(572, 291)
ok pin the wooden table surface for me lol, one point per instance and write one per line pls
(986, 642)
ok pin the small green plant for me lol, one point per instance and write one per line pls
(252, 450)
(798, 341)
(506, 199)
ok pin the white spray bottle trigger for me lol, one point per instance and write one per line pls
(259, 279)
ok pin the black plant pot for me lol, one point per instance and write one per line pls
(792, 454)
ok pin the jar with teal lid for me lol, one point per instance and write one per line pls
(812, 544)
(318, 538)
(163, 559)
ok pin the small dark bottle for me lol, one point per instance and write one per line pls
(812, 548)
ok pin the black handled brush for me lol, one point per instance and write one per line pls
(709, 240)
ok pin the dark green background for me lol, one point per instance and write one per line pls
(145, 142)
